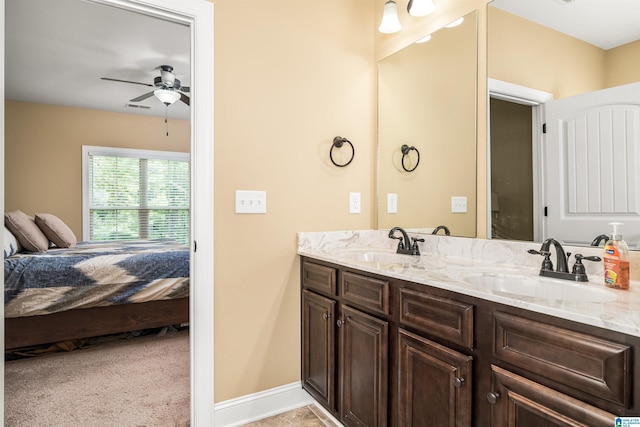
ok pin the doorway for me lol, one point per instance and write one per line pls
(198, 16)
(511, 170)
(515, 117)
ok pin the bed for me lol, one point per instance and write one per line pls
(94, 288)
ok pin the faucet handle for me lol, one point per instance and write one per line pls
(578, 267)
(546, 263)
(415, 250)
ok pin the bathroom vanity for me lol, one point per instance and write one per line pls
(443, 340)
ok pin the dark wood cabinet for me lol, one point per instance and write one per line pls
(345, 343)
(379, 351)
(434, 384)
(364, 368)
(318, 347)
(519, 402)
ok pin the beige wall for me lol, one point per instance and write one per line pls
(289, 76)
(528, 54)
(43, 152)
(623, 64)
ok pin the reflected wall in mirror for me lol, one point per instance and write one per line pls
(427, 100)
(525, 50)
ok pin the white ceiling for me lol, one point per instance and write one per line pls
(57, 51)
(603, 23)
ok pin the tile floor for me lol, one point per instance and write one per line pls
(307, 416)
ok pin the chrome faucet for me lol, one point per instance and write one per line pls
(578, 272)
(441, 227)
(404, 247)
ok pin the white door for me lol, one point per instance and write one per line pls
(592, 158)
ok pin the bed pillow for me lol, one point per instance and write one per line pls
(31, 238)
(11, 244)
(56, 230)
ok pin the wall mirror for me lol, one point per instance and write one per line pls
(427, 101)
(562, 50)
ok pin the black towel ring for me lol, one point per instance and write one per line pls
(405, 152)
(338, 141)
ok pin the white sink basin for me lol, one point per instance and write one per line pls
(540, 288)
(380, 257)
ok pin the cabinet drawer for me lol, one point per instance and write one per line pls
(319, 277)
(589, 364)
(519, 402)
(365, 292)
(444, 318)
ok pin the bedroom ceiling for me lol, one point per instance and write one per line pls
(57, 51)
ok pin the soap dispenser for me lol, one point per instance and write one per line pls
(616, 260)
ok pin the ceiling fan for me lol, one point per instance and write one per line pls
(166, 87)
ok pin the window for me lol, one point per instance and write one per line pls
(135, 194)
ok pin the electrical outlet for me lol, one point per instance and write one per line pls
(458, 205)
(251, 202)
(392, 203)
(354, 203)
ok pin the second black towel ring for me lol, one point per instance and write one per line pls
(405, 152)
(338, 142)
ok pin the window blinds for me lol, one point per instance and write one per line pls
(138, 197)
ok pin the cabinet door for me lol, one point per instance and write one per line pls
(434, 383)
(364, 368)
(318, 348)
(519, 402)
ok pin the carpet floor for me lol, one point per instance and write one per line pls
(140, 382)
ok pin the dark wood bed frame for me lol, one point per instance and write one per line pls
(92, 322)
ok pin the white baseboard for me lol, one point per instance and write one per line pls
(256, 406)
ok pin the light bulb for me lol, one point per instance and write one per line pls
(420, 7)
(390, 22)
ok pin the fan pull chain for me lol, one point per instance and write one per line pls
(166, 112)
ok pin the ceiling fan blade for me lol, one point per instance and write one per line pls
(184, 98)
(142, 97)
(185, 89)
(125, 81)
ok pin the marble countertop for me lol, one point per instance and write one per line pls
(496, 271)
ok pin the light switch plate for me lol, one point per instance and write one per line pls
(458, 204)
(354, 203)
(251, 202)
(392, 203)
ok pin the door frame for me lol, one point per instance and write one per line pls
(534, 98)
(198, 15)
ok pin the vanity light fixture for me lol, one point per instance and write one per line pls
(455, 23)
(420, 7)
(390, 22)
(167, 97)
(424, 39)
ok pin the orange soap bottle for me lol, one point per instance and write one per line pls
(616, 260)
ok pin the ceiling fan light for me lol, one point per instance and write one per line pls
(420, 7)
(167, 97)
(390, 22)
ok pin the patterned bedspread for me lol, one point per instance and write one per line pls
(95, 274)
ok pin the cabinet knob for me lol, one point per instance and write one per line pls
(458, 382)
(493, 397)
(326, 316)
(339, 323)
